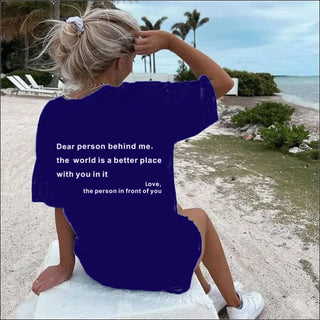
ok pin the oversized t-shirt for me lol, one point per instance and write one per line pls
(107, 160)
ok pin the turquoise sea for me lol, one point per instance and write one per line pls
(303, 91)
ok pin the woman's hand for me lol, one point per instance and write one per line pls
(148, 42)
(50, 277)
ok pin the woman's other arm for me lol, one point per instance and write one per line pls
(148, 42)
(54, 275)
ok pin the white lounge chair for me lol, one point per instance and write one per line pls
(21, 86)
(38, 86)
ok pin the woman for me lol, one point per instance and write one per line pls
(105, 162)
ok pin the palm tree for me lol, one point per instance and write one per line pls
(145, 63)
(181, 29)
(149, 26)
(194, 22)
(21, 18)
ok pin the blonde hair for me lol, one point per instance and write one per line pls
(80, 56)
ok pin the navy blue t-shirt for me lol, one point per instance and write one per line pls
(107, 160)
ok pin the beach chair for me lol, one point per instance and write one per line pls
(21, 86)
(34, 84)
(83, 298)
(58, 90)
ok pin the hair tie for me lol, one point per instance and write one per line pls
(77, 21)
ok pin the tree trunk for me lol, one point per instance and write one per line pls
(57, 9)
(55, 80)
(150, 64)
(154, 63)
(26, 52)
(194, 38)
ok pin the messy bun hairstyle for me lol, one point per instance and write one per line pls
(81, 55)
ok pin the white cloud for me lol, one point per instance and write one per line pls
(297, 31)
(263, 36)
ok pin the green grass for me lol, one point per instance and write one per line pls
(296, 180)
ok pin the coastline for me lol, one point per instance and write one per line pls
(308, 117)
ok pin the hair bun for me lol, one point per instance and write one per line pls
(82, 48)
(77, 21)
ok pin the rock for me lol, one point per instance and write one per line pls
(303, 146)
(245, 128)
(311, 138)
(237, 132)
(247, 136)
(228, 124)
(253, 129)
(258, 137)
(295, 150)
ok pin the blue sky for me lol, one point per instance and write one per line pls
(279, 37)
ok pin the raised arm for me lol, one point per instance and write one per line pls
(54, 275)
(148, 42)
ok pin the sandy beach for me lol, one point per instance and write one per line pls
(265, 256)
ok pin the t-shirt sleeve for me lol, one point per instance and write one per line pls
(45, 187)
(193, 107)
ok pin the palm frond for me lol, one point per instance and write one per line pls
(180, 25)
(147, 22)
(203, 21)
(177, 33)
(181, 29)
(176, 25)
(144, 28)
(190, 21)
(188, 14)
(157, 25)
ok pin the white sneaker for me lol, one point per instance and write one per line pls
(252, 306)
(217, 298)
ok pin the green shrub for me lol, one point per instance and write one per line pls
(314, 153)
(265, 114)
(296, 135)
(280, 135)
(314, 144)
(254, 84)
(274, 137)
(42, 78)
(184, 72)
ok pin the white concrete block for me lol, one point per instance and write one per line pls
(83, 298)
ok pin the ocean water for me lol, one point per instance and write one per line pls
(303, 91)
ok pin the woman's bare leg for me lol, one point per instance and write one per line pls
(212, 256)
(204, 283)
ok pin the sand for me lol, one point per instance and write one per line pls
(263, 255)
